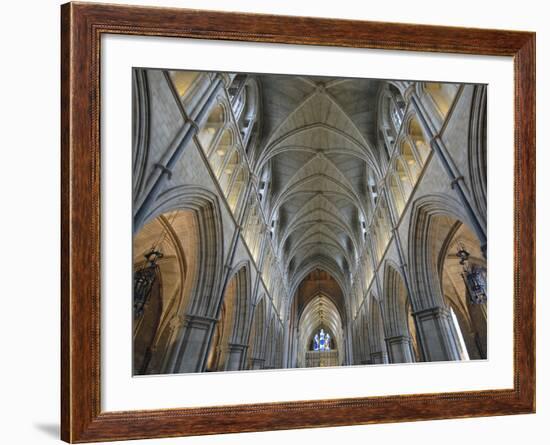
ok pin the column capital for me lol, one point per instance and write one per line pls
(379, 357)
(398, 339)
(437, 311)
(236, 346)
(195, 320)
(408, 92)
(176, 322)
(225, 78)
(257, 363)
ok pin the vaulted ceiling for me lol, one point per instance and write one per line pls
(318, 136)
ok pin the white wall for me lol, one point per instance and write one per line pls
(30, 219)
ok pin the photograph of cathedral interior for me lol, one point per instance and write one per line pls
(288, 221)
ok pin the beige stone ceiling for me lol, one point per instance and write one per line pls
(319, 135)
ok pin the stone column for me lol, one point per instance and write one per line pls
(235, 356)
(400, 349)
(437, 335)
(162, 364)
(257, 363)
(193, 343)
(455, 176)
(379, 357)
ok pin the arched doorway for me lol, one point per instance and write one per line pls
(376, 334)
(228, 347)
(321, 334)
(256, 340)
(463, 275)
(399, 339)
(318, 304)
(438, 231)
(164, 258)
(194, 230)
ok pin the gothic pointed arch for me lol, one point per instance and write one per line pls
(258, 334)
(376, 332)
(432, 218)
(477, 150)
(231, 342)
(205, 206)
(400, 329)
(288, 221)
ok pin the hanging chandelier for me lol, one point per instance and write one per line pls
(144, 278)
(473, 276)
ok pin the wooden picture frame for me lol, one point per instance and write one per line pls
(82, 26)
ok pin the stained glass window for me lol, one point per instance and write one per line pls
(321, 341)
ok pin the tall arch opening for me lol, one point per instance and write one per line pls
(463, 273)
(449, 274)
(400, 332)
(291, 221)
(165, 253)
(257, 337)
(228, 344)
(318, 306)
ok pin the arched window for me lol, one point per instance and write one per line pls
(396, 116)
(363, 228)
(236, 86)
(397, 195)
(391, 114)
(273, 226)
(418, 139)
(372, 187)
(238, 105)
(228, 170)
(322, 341)
(384, 144)
(183, 81)
(383, 226)
(397, 107)
(210, 129)
(368, 267)
(252, 139)
(218, 155)
(237, 186)
(404, 179)
(247, 117)
(253, 229)
(411, 160)
(442, 94)
(266, 268)
(263, 186)
(378, 236)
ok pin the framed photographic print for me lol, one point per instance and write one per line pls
(284, 222)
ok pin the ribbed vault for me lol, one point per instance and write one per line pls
(317, 141)
(319, 304)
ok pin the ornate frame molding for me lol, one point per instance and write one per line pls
(81, 28)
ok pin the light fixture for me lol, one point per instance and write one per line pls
(473, 277)
(144, 278)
